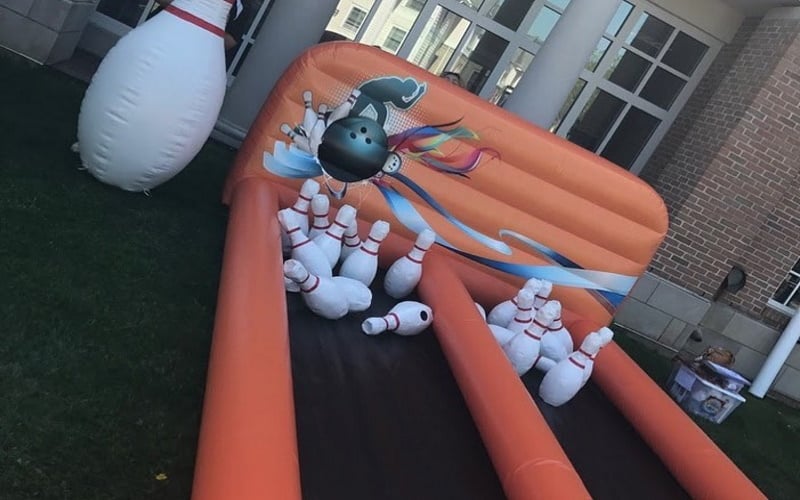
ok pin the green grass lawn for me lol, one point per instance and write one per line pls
(108, 303)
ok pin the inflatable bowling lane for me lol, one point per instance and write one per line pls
(508, 201)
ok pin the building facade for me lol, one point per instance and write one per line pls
(699, 98)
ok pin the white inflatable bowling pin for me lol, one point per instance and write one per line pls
(524, 349)
(343, 109)
(565, 379)
(298, 140)
(362, 265)
(481, 310)
(330, 241)
(502, 335)
(309, 115)
(543, 293)
(504, 312)
(154, 99)
(359, 296)
(303, 249)
(523, 316)
(606, 335)
(350, 240)
(315, 134)
(557, 330)
(553, 347)
(320, 294)
(299, 211)
(404, 274)
(320, 210)
(406, 318)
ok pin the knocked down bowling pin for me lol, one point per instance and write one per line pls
(362, 265)
(330, 242)
(564, 380)
(606, 335)
(406, 318)
(302, 248)
(404, 274)
(523, 350)
(359, 296)
(320, 209)
(504, 312)
(320, 294)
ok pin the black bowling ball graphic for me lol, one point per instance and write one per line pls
(354, 149)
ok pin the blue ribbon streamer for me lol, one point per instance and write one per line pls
(612, 287)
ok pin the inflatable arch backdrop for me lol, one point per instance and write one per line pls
(507, 200)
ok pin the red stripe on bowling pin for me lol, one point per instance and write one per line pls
(191, 18)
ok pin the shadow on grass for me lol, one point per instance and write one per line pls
(762, 436)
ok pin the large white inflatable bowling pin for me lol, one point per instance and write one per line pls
(156, 96)
(557, 330)
(362, 265)
(523, 350)
(320, 210)
(404, 274)
(406, 318)
(303, 249)
(564, 380)
(606, 335)
(320, 294)
(330, 242)
(504, 312)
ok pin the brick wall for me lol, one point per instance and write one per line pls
(728, 169)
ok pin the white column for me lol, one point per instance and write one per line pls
(544, 87)
(777, 357)
(291, 26)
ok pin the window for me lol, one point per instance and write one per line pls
(354, 19)
(394, 39)
(787, 296)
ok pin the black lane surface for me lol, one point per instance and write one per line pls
(381, 417)
(606, 451)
